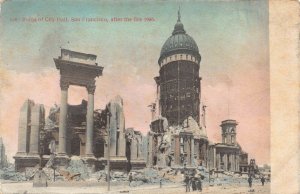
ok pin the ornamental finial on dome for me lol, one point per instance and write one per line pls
(178, 28)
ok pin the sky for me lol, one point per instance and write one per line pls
(232, 37)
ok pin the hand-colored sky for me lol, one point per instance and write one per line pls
(232, 37)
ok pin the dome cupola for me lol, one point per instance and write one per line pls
(180, 43)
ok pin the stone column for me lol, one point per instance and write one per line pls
(150, 152)
(214, 158)
(234, 162)
(62, 149)
(113, 130)
(177, 149)
(23, 127)
(106, 148)
(225, 162)
(192, 152)
(218, 162)
(36, 119)
(90, 121)
(121, 127)
(197, 148)
(133, 148)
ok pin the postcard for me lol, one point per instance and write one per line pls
(149, 96)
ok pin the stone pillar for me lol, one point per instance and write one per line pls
(62, 149)
(225, 162)
(196, 149)
(192, 152)
(233, 162)
(36, 125)
(121, 128)
(113, 130)
(90, 121)
(214, 158)
(121, 145)
(229, 162)
(23, 136)
(150, 150)
(177, 149)
(133, 148)
(237, 162)
(106, 148)
(218, 166)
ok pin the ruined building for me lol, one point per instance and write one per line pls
(226, 155)
(178, 132)
(178, 136)
(3, 157)
(77, 130)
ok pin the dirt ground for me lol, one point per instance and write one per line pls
(22, 188)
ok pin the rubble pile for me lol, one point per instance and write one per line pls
(119, 176)
(8, 173)
(78, 166)
(150, 176)
(98, 176)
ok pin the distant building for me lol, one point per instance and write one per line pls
(3, 157)
(226, 156)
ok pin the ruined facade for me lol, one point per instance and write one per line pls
(135, 149)
(228, 155)
(178, 132)
(178, 136)
(76, 130)
(31, 124)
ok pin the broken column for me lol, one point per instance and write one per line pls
(150, 150)
(134, 149)
(37, 123)
(31, 122)
(136, 157)
(23, 133)
(117, 134)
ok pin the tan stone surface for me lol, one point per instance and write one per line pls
(284, 69)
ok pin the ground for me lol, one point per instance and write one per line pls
(75, 188)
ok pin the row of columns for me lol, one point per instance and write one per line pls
(231, 158)
(62, 149)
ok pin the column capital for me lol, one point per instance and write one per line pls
(64, 85)
(91, 88)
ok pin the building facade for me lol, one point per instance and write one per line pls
(77, 130)
(178, 82)
(228, 155)
(177, 135)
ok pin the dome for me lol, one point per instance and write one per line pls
(179, 42)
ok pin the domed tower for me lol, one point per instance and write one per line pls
(229, 132)
(178, 82)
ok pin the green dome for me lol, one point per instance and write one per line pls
(179, 42)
